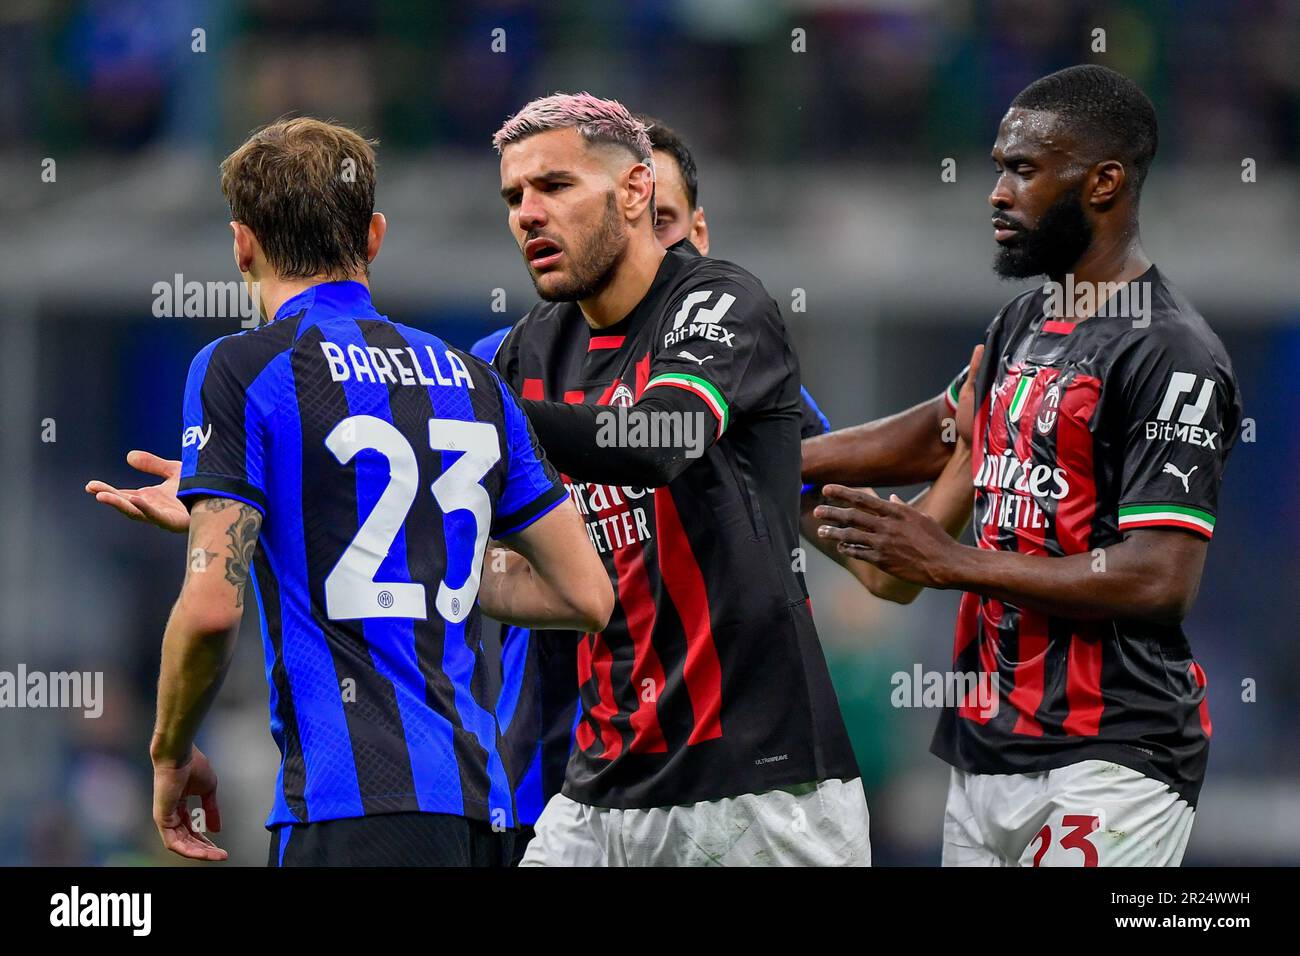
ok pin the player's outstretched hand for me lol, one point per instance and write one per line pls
(892, 535)
(156, 504)
(966, 397)
(172, 786)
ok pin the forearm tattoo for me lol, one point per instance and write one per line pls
(243, 542)
(243, 533)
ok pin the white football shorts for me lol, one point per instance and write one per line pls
(1091, 813)
(816, 824)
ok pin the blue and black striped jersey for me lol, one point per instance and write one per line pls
(382, 460)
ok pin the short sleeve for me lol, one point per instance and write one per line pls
(952, 393)
(223, 442)
(722, 339)
(505, 360)
(487, 347)
(1179, 416)
(811, 420)
(532, 488)
(811, 424)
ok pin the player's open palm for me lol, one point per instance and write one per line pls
(172, 788)
(156, 504)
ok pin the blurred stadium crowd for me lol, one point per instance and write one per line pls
(887, 88)
(889, 77)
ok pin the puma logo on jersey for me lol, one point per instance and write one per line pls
(706, 323)
(194, 435)
(687, 355)
(1172, 469)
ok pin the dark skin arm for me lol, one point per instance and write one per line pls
(1152, 575)
(948, 501)
(903, 449)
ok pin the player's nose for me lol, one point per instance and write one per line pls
(1001, 197)
(532, 214)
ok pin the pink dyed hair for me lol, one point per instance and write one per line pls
(599, 121)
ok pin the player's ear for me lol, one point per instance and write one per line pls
(245, 247)
(699, 231)
(1107, 182)
(640, 188)
(375, 238)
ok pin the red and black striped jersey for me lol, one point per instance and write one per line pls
(709, 680)
(1084, 432)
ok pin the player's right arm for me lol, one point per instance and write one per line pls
(948, 501)
(552, 577)
(1166, 514)
(900, 449)
(555, 579)
(220, 479)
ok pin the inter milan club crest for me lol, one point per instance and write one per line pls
(1047, 412)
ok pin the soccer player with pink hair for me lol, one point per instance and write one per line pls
(710, 732)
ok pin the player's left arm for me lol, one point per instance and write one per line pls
(1178, 411)
(719, 350)
(196, 651)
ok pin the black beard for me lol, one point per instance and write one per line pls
(1053, 247)
(595, 268)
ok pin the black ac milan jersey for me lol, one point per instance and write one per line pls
(1083, 433)
(709, 680)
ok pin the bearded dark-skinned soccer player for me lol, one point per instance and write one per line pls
(1105, 411)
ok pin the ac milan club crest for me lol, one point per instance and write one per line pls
(1047, 412)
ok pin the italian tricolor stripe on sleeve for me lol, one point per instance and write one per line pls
(1166, 516)
(704, 389)
(952, 394)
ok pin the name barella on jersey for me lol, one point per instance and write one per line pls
(1083, 433)
(709, 680)
(538, 705)
(381, 459)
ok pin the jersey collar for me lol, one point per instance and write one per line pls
(1065, 327)
(330, 299)
(669, 266)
